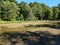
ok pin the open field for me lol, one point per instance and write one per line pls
(23, 26)
(29, 33)
(25, 23)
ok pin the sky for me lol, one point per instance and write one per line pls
(47, 2)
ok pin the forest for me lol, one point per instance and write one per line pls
(11, 10)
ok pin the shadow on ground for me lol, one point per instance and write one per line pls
(29, 38)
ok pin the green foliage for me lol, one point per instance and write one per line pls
(59, 15)
(58, 6)
(9, 10)
(37, 10)
(50, 14)
(10, 1)
(55, 13)
(21, 18)
(26, 11)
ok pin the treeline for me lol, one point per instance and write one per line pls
(11, 10)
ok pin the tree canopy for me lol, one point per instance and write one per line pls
(12, 10)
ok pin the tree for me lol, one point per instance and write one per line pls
(0, 13)
(26, 11)
(50, 13)
(30, 4)
(59, 11)
(55, 13)
(45, 12)
(58, 6)
(37, 10)
(9, 10)
(21, 18)
(59, 15)
(11, 1)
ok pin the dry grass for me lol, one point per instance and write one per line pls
(50, 30)
(13, 29)
(20, 27)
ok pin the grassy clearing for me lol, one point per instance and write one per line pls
(47, 29)
(9, 22)
(18, 26)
